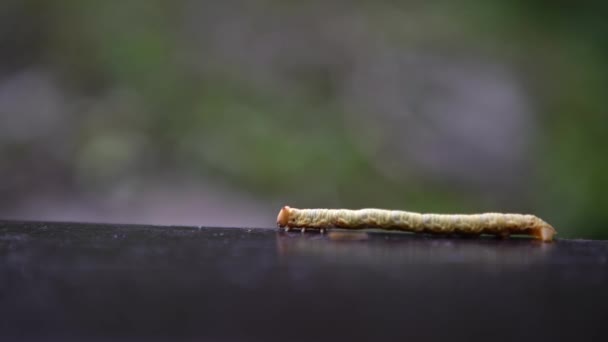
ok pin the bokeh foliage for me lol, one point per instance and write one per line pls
(141, 102)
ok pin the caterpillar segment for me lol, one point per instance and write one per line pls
(502, 225)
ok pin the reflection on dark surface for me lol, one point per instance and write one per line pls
(386, 248)
(102, 282)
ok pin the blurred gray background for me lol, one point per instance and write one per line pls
(219, 112)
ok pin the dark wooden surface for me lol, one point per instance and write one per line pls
(64, 281)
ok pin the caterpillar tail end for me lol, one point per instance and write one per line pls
(544, 231)
(283, 217)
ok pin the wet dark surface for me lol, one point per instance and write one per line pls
(102, 282)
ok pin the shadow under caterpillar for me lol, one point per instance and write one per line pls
(499, 224)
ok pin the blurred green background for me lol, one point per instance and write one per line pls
(220, 112)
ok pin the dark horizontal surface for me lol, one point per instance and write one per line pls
(72, 281)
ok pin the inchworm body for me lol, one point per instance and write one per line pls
(488, 223)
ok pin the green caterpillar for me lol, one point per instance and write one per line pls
(489, 223)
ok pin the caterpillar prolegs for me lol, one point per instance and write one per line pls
(488, 223)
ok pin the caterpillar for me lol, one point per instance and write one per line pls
(499, 224)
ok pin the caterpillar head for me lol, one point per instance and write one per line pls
(283, 217)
